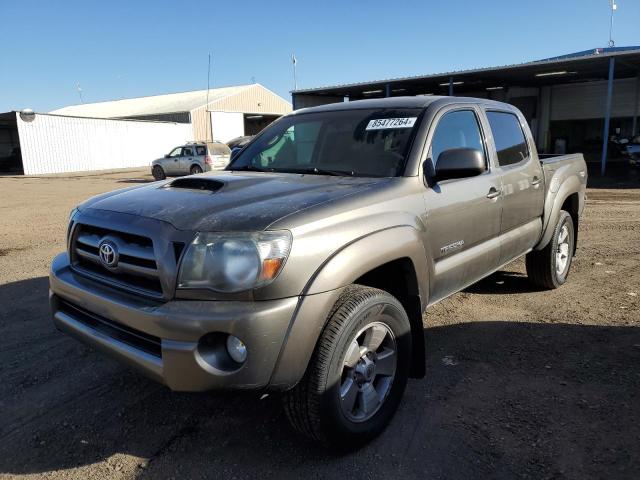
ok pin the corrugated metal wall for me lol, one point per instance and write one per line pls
(256, 100)
(588, 100)
(56, 144)
(201, 127)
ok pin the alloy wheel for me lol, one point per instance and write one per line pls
(368, 371)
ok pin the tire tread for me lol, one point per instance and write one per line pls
(302, 403)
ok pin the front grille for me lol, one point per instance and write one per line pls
(136, 269)
(132, 337)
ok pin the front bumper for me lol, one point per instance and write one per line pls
(165, 340)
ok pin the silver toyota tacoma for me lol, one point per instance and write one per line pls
(307, 265)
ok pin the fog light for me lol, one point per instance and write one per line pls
(237, 349)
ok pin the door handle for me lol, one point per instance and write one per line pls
(536, 181)
(493, 193)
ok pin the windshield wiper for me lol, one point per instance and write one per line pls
(321, 171)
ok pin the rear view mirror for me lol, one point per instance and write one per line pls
(459, 163)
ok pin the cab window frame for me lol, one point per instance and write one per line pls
(493, 138)
(429, 176)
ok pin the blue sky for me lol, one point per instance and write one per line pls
(119, 49)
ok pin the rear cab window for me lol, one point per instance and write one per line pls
(508, 136)
(201, 151)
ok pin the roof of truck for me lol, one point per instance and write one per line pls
(400, 102)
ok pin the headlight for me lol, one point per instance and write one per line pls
(234, 262)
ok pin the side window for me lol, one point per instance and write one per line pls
(187, 152)
(508, 136)
(201, 151)
(176, 152)
(457, 129)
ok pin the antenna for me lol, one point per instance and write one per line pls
(614, 7)
(79, 88)
(207, 107)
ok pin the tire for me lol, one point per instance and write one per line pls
(322, 406)
(549, 268)
(158, 172)
(195, 169)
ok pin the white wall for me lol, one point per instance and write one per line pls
(227, 125)
(57, 144)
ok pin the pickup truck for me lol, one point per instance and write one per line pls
(305, 268)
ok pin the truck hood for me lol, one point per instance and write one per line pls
(230, 201)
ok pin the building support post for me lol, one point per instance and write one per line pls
(607, 116)
(451, 86)
(635, 108)
(387, 90)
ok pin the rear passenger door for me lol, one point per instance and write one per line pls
(186, 160)
(522, 186)
(201, 153)
(463, 215)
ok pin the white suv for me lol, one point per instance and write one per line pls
(192, 158)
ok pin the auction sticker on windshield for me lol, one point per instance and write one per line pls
(383, 123)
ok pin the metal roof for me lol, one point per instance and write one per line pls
(580, 66)
(154, 104)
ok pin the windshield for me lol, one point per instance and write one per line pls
(368, 143)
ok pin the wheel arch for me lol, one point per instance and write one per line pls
(398, 251)
(566, 196)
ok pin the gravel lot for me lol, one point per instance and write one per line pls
(521, 383)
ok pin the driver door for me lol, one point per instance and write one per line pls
(463, 214)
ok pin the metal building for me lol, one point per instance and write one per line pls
(218, 114)
(131, 132)
(573, 102)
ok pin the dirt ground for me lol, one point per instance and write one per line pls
(521, 383)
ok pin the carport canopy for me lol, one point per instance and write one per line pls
(586, 66)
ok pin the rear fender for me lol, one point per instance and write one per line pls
(556, 196)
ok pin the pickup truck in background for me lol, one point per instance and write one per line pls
(306, 266)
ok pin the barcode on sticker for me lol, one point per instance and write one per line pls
(382, 123)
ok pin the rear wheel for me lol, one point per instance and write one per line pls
(195, 169)
(158, 172)
(358, 372)
(549, 267)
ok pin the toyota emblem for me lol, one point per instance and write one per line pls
(108, 253)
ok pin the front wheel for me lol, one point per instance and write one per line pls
(357, 375)
(549, 267)
(158, 172)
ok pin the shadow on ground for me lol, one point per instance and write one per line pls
(501, 400)
(503, 282)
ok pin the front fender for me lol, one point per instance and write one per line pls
(343, 268)
(367, 253)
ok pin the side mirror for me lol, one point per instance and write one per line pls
(459, 163)
(166, 155)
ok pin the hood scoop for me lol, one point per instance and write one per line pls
(200, 184)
